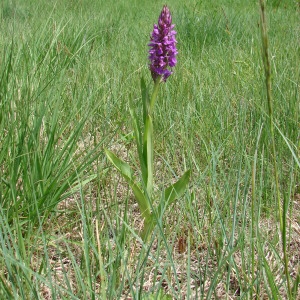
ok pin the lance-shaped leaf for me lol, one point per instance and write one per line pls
(175, 191)
(127, 174)
(145, 99)
(172, 193)
(149, 224)
(139, 143)
(148, 153)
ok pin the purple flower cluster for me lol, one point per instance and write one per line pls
(162, 53)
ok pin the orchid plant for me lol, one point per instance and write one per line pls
(162, 56)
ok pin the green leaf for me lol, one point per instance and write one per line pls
(149, 224)
(139, 144)
(142, 201)
(81, 184)
(120, 165)
(158, 296)
(296, 285)
(127, 174)
(148, 153)
(177, 189)
(288, 143)
(145, 99)
(272, 284)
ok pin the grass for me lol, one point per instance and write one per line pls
(68, 221)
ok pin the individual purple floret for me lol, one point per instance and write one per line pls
(162, 53)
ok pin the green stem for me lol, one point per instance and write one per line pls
(267, 67)
(254, 220)
(148, 138)
(154, 94)
(270, 103)
(148, 152)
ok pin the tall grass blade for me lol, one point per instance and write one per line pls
(267, 68)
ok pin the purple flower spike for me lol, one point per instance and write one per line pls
(162, 53)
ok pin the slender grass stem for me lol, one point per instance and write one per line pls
(101, 265)
(267, 68)
(254, 220)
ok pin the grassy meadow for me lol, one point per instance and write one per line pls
(69, 223)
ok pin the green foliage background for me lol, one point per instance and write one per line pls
(67, 71)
